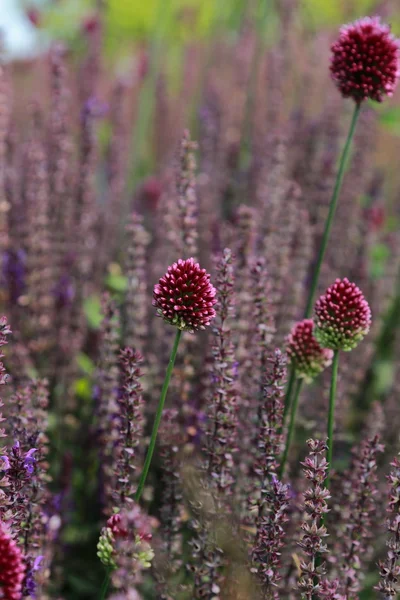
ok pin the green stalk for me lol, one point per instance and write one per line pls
(332, 210)
(157, 420)
(325, 238)
(105, 585)
(141, 129)
(153, 439)
(289, 438)
(331, 413)
(292, 379)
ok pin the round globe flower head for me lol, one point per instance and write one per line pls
(305, 353)
(12, 567)
(365, 60)
(342, 316)
(185, 297)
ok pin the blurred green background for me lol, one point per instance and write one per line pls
(28, 24)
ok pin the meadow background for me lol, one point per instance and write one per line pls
(164, 53)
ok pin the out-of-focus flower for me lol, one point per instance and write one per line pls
(150, 192)
(185, 297)
(125, 542)
(30, 585)
(12, 567)
(305, 353)
(34, 16)
(91, 24)
(365, 60)
(342, 316)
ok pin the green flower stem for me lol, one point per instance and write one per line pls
(331, 413)
(332, 210)
(157, 420)
(106, 583)
(150, 451)
(289, 437)
(325, 239)
(289, 391)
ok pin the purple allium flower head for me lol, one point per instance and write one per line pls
(185, 297)
(365, 60)
(12, 567)
(305, 353)
(342, 316)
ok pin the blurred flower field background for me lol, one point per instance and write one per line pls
(135, 133)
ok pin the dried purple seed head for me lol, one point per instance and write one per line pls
(305, 353)
(342, 316)
(184, 297)
(365, 60)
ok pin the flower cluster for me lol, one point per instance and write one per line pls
(184, 297)
(126, 532)
(361, 506)
(342, 316)
(12, 567)
(270, 536)
(305, 353)
(366, 60)
(315, 504)
(389, 569)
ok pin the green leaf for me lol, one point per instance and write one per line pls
(92, 310)
(116, 282)
(83, 388)
(85, 363)
(390, 119)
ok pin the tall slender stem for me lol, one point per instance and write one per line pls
(332, 210)
(105, 584)
(289, 391)
(289, 438)
(150, 451)
(325, 238)
(157, 420)
(331, 413)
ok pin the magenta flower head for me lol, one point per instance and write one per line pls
(304, 352)
(365, 60)
(12, 567)
(185, 297)
(342, 316)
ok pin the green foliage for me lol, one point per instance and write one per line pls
(379, 255)
(116, 282)
(325, 12)
(92, 310)
(390, 119)
(85, 363)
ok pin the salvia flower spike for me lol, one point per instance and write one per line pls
(342, 316)
(305, 354)
(185, 297)
(365, 60)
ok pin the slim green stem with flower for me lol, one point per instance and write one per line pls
(331, 414)
(289, 437)
(325, 239)
(308, 359)
(332, 210)
(157, 420)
